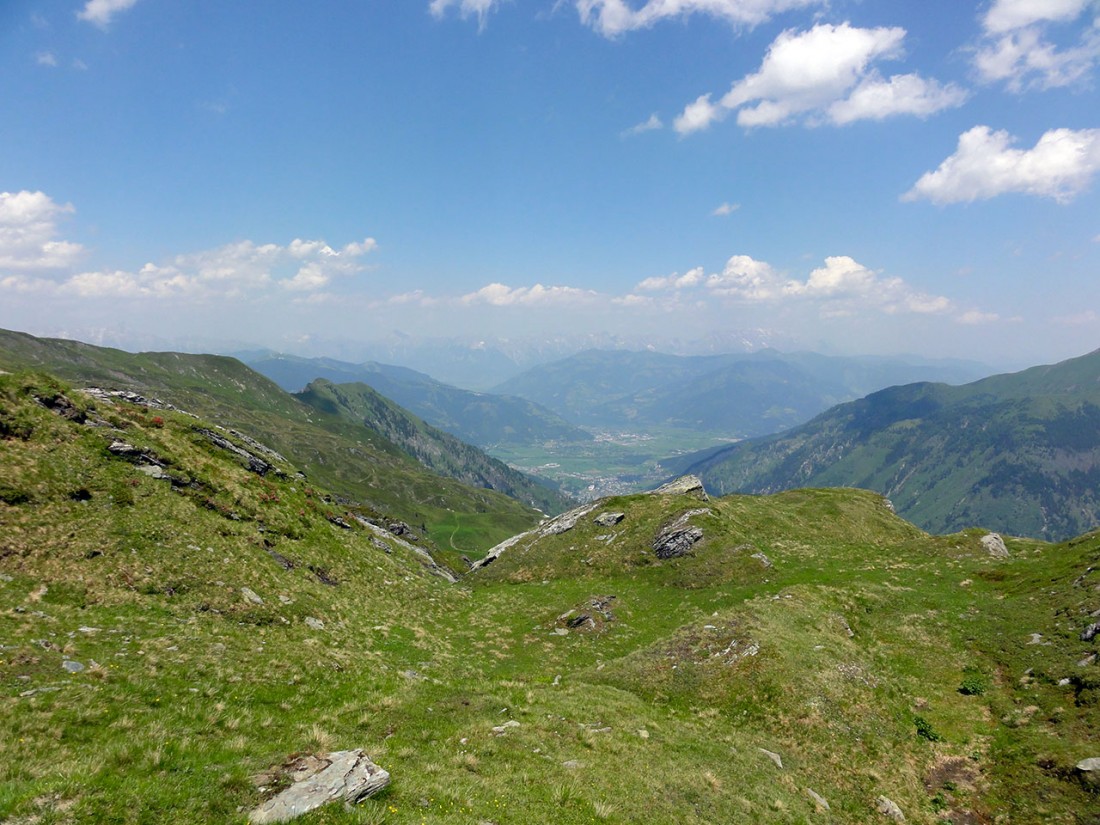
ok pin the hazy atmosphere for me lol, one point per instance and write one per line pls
(843, 176)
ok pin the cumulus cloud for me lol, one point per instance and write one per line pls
(904, 94)
(1016, 48)
(725, 209)
(614, 17)
(824, 73)
(1059, 166)
(46, 59)
(500, 295)
(842, 286)
(693, 277)
(100, 12)
(28, 234)
(1006, 15)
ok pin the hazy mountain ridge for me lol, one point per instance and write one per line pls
(1018, 452)
(439, 451)
(739, 394)
(483, 419)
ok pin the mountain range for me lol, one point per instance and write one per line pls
(483, 419)
(1018, 453)
(737, 395)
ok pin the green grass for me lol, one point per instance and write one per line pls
(657, 712)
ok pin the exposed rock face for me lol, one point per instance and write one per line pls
(555, 526)
(888, 808)
(347, 775)
(773, 756)
(683, 486)
(1089, 770)
(995, 546)
(1090, 632)
(679, 537)
(400, 528)
(255, 464)
(379, 533)
(609, 519)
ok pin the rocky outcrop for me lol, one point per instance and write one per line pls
(254, 463)
(683, 486)
(350, 776)
(554, 527)
(609, 519)
(380, 533)
(995, 546)
(677, 538)
(889, 809)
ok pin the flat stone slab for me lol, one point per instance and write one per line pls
(347, 775)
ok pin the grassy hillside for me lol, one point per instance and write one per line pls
(485, 419)
(437, 450)
(168, 643)
(344, 456)
(1017, 453)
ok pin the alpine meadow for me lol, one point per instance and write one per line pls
(498, 412)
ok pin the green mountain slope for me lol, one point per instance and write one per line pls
(1018, 453)
(437, 450)
(738, 395)
(484, 419)
(341, 455)
(172, 646)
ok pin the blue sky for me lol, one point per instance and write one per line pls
(855, 177)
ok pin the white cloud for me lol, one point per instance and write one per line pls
(1015, 48)
(649, 125)
(614, 17)
(746, 279)
(725, 209)
(497, 294)
(466, 8)
(843, 286)
(693, 277)
(825, 72)
(46, 59)
(28, 234)
(976, 317)
(1060, 166)
(100, 12)
(697, 115)
(905, 94)
(1006, 15)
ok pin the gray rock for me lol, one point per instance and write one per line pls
(500, 730)
(764, 560)
(316, 624)
(818, 799)
(995, 546)
(1089, 632)
(609, 519)
(347, 775)
(888, 808)
(774, 757)
(677, 538)
(71, 666)
(684, 486)
(251, 595)
(1092, 764)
